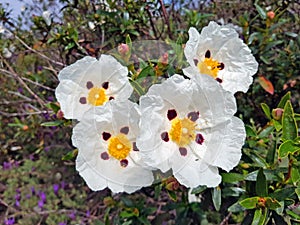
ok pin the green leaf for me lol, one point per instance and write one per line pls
(70, 155)
(266, 132)
(277, 125)
(295, 175)
(250, 132)
(259, 217)
(216, 197)
(297, 191)
(249, 203)
(52, 123)
(199, 189)
(288, 147)
(289, 125)
(283, 194)
(172, 195)
(297, 116)
(284, 99)
(266, 110)
(272, 203)
(261, 11)
(147, 71)
(261, 184)
(232, 177)
(53, 106)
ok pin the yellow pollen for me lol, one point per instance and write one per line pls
(182, 131)
(119, 146)
(97, 96)
(209, 67)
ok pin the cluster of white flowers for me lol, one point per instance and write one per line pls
(186, 126)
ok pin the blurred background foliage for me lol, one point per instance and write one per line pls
(38, 181)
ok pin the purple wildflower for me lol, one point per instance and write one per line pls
(9, 221)
(20, 90)
(42, 196)
(62, 223)
(63, 185)
(88, 213)
(72, 215)
(55, 188)
(7, 166)
(41, 204)
(32, 190)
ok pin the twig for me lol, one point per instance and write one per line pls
(37, 52)
(24, 114)
(17, 77)
(225, 220)
(166, 17)
(38, 84)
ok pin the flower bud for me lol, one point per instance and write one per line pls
(172, 184)
(271, 15)
(123, 49)
(277, 113)
(60, 114)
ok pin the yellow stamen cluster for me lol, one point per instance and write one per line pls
(119, 146)
(182, 131)
(97, 96)
(209, 67)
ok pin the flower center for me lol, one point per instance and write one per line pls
(119, 146)
(182, 131)
(210, 66)
(97, 96)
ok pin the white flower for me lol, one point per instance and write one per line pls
(91, 25)
(190, 128)
(107, 154)
(219, 52)
(47, 17)
(90, 82)
(6, 53)
(192, 197)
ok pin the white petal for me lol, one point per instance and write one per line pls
(224, 148)
(191, 45)
(68, 95)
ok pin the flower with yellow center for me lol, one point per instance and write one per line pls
(91, 83)
(107, 152)
(190, 128)
(219, 52)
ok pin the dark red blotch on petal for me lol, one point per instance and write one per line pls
(111, 98)
(199, 139)
(183, 151)
(207, 54)
(171, 114)
(105, 85)
(89, 85)
(193, 116)
(104, 156)
(165, 136)
(82, 100)
(106, 136)
(124, 162)
(134, 147)
(219, 80)
(124, 130)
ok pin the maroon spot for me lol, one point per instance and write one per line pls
(106, 136)
(207, 54)
(183, 151)
(165, 136)
(199, 139)
(193, 116)
(196, 62)
(124, 162)
(171, 114)
(89, 85)
(104, 156)
(111, 98)
(124, 130)
(134, 147)
(219, 80)
(82, 100)
(221, 66)
(105, 85)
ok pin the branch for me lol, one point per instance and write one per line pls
(24, 114)
(18, 78)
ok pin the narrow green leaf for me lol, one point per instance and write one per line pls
(284, 99)
(147, 71)
(266, 110)
(249, 203)
(288, 147)
(261, 184)
(277, 125)
(232, 177)
(52, 123)
(216, 197)
(259, 217)
(199, 189)
(172, 195)
(250, 132)
(297, 191)
(236, 207)
(272, 203)
(266, 132)
(261, 11)
(295, 175)
(70, 155)
(289, 125)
